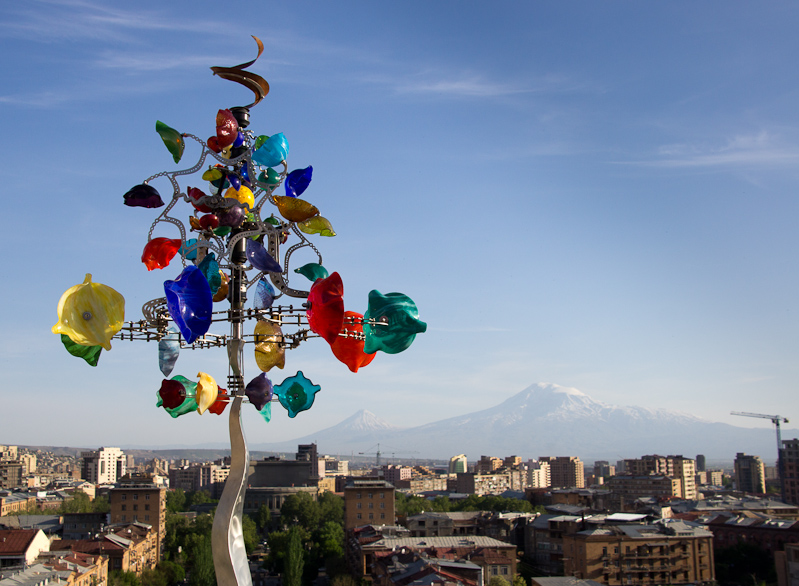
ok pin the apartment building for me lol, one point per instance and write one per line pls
(750, 474)
(565, 471)
(789, 458)
(662, 553)
(368, 502)
(131, 503)
(103, 466)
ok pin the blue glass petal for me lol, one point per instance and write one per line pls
(168, 351)
(210, 268)
(190, 302)
(185, 246)
(239, 140)
(245, 173)
(296, 393)
(264, 295)
(266, 412)
(260, 259)
(235, 182)
(274, 150)
(298, 180)
(259, 391)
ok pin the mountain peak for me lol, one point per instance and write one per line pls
(364, 420)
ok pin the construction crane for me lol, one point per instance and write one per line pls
(776, 420)
(378, 453)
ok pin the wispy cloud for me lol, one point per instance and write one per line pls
(51, 20)
(469, 84)
(760, 149)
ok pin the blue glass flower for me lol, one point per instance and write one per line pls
(210, 268)
(272, 152)
(264, 295)
(399, 323)
(260, 258)
(296, 393)
(190, 302)
(298, 181)
(259, 391)
(168, 351)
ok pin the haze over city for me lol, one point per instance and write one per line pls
(599, 196)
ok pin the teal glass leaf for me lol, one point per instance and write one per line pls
(266, 412)
(313, 271)
(296, 393)
(399, 323)
(172, 139)
(210, 268)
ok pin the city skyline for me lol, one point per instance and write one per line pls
(601, 197)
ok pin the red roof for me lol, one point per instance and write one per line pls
(16, 541)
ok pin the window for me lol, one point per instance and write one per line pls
(382, 505)
(382, 495)
(147, 497)
(382, 515)
(147, 517)
(124, 497)
(123, 518)
(371, 515)
(135, 507)
(504, 570)
(135, 496)
(357, 495)
(357, 505)
(370, 495)
(494, 571)
(146, 507)
(371, 505)
(124, 507)
(358, 516)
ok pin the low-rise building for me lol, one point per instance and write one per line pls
(367, 502)
(20, 547)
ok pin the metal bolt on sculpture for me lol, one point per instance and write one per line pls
(236, 248)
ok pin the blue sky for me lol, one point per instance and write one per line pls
(599, 195)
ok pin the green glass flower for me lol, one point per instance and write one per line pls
(296, 393)
(398, 323)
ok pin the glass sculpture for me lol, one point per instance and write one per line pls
(236, 239)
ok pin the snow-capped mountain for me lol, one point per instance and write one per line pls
(551, 420)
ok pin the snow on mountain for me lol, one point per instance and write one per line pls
(547, 419)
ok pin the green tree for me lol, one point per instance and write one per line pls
(79, 503)
(100, 505)
(518, 580)
(201, 571)
(498, 581)
(199, 497)
(343, 580)
(120, 578)
(250, 534)
(744, 564)
(263, 518)
(152, 577)
(294, 564)
(300, 508)
(331, 540)
(176, 501)
(174, 573)
(331, 508)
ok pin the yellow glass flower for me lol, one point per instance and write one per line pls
(243, 195)
(90, 314)
(207, 392)
(317, 225)
(295, 209)
(269, 351)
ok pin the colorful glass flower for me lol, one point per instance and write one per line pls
(317, 225)
(189, 301)
(296, 393)
(242, 194)
(273, 151)
(159, 252)
(168, 351)
(260, 258)
(207, 391)
(224, 287)
(90, 314)
(398, 324)
(264, 295)
(222, 400)
(172, 139)
(259, 391)
(295, 209)
(326, 307)
(188, 405)
(143, 196)
(269, 350)
(210, 268)
(348, 348)
(298, 181)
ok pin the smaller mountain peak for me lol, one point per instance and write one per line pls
(551, 388)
